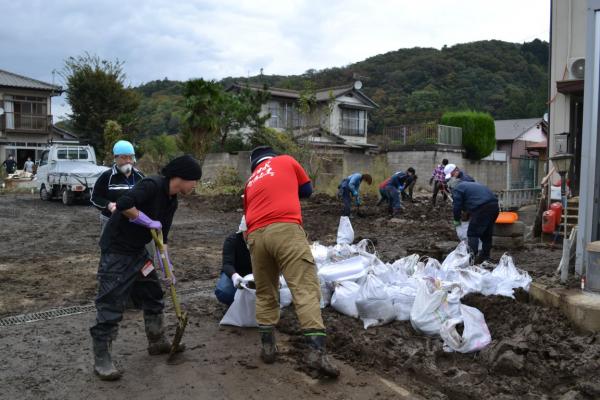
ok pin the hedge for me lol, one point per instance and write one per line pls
(478, 132)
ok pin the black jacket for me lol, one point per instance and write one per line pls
(151, 196)
(110, 186)
(236, 257)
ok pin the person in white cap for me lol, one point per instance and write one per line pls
(236, 265)
(452, 171)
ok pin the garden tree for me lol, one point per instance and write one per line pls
(212, 113)
(112, 133)
(160, 114)
(96, 93)
(158, 150)
(478, 132)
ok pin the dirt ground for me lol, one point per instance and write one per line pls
(49, 256)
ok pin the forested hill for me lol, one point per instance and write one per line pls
(508, 80)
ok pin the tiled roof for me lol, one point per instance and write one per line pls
(9, 79)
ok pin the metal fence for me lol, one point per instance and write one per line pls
(421, 134)
(516, 198)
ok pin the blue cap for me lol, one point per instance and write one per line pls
(123, 148)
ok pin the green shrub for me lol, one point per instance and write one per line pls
(478, 132)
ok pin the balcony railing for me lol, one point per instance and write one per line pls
(25, 122)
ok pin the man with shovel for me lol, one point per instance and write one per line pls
(278, 245)
(126, 266)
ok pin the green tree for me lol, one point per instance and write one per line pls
(96, 93)
(158, 151)
(112, 133)
(478, 132)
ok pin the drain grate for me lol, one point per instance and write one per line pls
(44, 315)
(68, 311)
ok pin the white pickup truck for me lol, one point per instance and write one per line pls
(67, 170)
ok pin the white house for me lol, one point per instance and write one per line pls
(339, 119)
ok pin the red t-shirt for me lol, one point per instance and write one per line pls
(271, 193)
(383, 184)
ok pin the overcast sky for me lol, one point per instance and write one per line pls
(213, 39)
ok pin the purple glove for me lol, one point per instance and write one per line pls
(144, 220)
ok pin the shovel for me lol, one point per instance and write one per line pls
(182, 318)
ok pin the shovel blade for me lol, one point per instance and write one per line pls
(182, 323)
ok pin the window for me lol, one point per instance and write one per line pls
(283, 115)
(72, 153)
(44, 158)
(354, 122)
(30, 112)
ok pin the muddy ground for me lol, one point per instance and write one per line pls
(48, 259)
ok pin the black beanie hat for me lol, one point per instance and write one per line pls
(185, 167)
(259, 154)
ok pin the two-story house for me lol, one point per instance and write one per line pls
(338, 118)
(26, 117)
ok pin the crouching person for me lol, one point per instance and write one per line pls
(278, 245)
(125, 265)
(236, 265)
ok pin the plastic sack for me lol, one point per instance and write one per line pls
(430, 269)
(326, 293)
(242, 311)
(406, 265)
(461, 231)
(403, 298)
(373, 303)
(509, 277)
(349, 269)
(475, 336)
(344, 298)
(319, 253)
(285, 295)
(429, 309)
(345, 233)
(458, 258)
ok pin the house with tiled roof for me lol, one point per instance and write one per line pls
(338, 119)
(26, 123)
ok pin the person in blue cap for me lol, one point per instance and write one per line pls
(350, 187)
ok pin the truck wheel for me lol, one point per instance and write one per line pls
(44, 194)
(67, 197)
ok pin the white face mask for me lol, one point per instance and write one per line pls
(126, 168)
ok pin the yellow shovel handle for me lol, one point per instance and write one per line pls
(158, 240)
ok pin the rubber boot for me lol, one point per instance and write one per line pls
(268, 352)
(103, 365)
(155, 332)
(316, 357)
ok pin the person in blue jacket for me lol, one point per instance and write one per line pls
(482, 205)
(350, 187)
(395, 186)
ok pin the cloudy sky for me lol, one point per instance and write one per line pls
(213, 39)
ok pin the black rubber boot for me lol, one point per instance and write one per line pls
(103, 365)
(268, 352)
(316, 357)
(155, 332)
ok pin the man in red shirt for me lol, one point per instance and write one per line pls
(278, 245)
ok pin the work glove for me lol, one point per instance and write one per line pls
(112, 207)
(144, 220)
(456, 223)
(237, 280)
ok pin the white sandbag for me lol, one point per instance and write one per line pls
(475, 336)
(510, 277)
(373, 303)
(345, 233)
(326, 292)
(285, 295)
(461, 231)
(430, 269)
(429, 309)
(340, 252)
(403, 298)
(455, 293)
(344, 298)
(242, 311)
(470, 280)
(458, 258)
(379, 269)
(406, 265)
(319, 253)
(349, 269)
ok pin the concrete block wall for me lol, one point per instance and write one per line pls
(490, 173)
